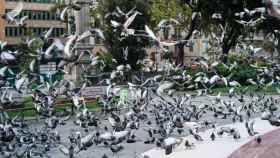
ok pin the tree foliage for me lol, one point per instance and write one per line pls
(115, 42)
(227, 9)
(182, 10)
(165, 9)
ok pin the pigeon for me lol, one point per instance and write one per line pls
(10, 17)
(158, 43)
(125, 30)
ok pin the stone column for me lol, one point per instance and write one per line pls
(82, 18)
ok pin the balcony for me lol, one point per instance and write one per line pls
(41, 23)
(30, 6)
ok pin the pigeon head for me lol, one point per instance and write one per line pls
(4, 16)
(76, 7)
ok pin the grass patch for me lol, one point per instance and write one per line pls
(250, 89)
(26, 113)
(27, 103)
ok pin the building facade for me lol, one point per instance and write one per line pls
(40, 19)
(2, 27)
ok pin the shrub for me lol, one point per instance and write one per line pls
(236, 58)
(222, 70)
(244, 72)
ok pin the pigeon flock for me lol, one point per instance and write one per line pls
(157, 112)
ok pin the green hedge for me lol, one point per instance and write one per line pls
(241, 73)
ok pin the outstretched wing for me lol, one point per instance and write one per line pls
(16, 11)
(99, 33)
(84, 35)
(130, 20)
(150, 33)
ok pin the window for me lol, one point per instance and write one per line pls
(25, 31)
(38, 15)
(62, 31)
(29, 14)
(52, 16)
(20, 31)
(57, 32)
(38, 31)
(11, 31)
(6, 31)
(35, 31)
(41, 30)
(22, 14)
(44, 16)
(53, 32)
(47, 15)
(16, 31)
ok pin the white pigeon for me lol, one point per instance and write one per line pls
(90, 33)
(125, 53)
(3, 70)
(3, 44)
(29, 42)
(217, 16)
(21, 21)
(277, 90)
(234, 84)
(11, 16)
(66, 151)
(231, 91)
(48, 52)
(48, 33)
(125, 30)
(214, 64)
(251, 81)
(121, 134)
(167, 23)
(58, 44)
(120, 12)
(63, 13)
(69, 43)
(7, 56)
(191, 125)
(164, 86)
(171, 141)
(32, 65)
(106, 136)
(158, 42)
(214, 79)
(19, 83)
(87, 138)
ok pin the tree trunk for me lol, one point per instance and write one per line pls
(180, 46)
(229, 42)
(226, 49)
(180, 54)
(225, 52)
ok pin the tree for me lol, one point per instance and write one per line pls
(201, 13)
(270, 28)
(115, 42)
(227, 10)
(166, 9)
(175, 9)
